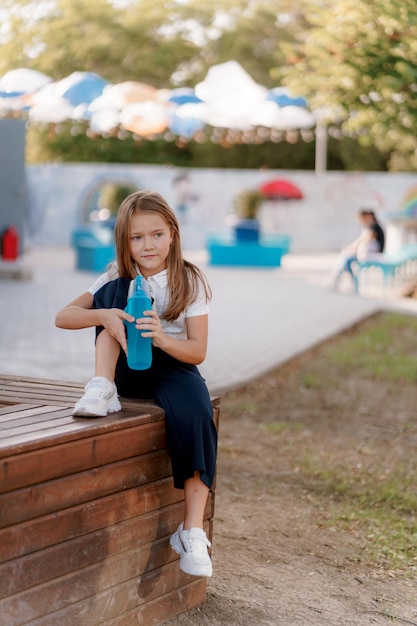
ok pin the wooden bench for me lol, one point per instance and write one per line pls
(86, 510)
(394, 269)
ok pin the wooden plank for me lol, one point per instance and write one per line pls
(46, 386)
(112, 556)
(12, 380)
(40, 608)
(67, 524)
(163, 608)
(13, 392)
(57, 527)
(76, 429)
(9, 409)
(143, 533)
(37, 466)
(64, 399)
(36, 419)
(43, 498)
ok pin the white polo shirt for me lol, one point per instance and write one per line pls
(158, 290)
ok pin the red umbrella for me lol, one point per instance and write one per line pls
(280, 189)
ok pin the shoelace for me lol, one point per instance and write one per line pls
(195, 541)
(98, 390)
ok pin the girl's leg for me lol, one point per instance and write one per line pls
(195, 496)
(107, 353)
(189, 540)
(344, 266)
(349, 262)
(100, 394)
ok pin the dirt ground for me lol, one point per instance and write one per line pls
(277, 559)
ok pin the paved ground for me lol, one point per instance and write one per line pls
(260, 318)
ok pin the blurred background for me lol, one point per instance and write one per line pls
(201, 101)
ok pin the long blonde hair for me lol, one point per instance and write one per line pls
(184, 277)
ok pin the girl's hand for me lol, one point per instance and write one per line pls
(150, 326)
(112, 320)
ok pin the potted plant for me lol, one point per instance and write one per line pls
(247, 203)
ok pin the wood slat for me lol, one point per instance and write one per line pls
(42, 498)
(38, 418)
(10, 396)
(54, 528)
(12, 380)
(9, 409)
(144, 536)
(38, 466)
(170, 604)
(39, 609)
(86, 550)
(75, 429)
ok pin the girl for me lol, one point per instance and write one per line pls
(148, 244)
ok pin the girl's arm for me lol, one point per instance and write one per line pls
(80, 314)
(192, 350)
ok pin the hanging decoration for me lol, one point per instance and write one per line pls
(227, 107)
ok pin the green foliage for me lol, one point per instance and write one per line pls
(112, 195)
(356, 64)
(45, 145)
(138, 43)
(248, 202)
(61, 144)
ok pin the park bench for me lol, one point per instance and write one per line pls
(86, 510)
(391, 270)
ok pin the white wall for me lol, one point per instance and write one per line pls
(323, 220)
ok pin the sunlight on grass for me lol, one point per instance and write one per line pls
(280, 427)
(384, 506)
(371, 352)
(312, 379)
(349, 453)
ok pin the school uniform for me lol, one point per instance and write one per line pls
(175, 386)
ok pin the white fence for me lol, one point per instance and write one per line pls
(323, 220)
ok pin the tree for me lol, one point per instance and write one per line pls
(254, 32)
(357, 64)
(172, 42)
(135, 43)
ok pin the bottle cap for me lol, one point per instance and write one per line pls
(138, 286)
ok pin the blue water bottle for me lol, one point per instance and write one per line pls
(139, 349)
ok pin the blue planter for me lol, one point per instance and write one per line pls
(247, 231)
(223, 249)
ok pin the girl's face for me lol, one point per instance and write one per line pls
(150, 239)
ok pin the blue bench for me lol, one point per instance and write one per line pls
(396, 268)
(94, 248)
(223, 249)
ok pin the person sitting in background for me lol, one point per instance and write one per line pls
(370, 242)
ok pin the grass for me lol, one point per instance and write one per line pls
(346, 417)
(385, 349)
(379, 499)
(381, 509)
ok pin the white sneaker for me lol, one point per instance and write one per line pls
(100, 398)
(192, 546)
